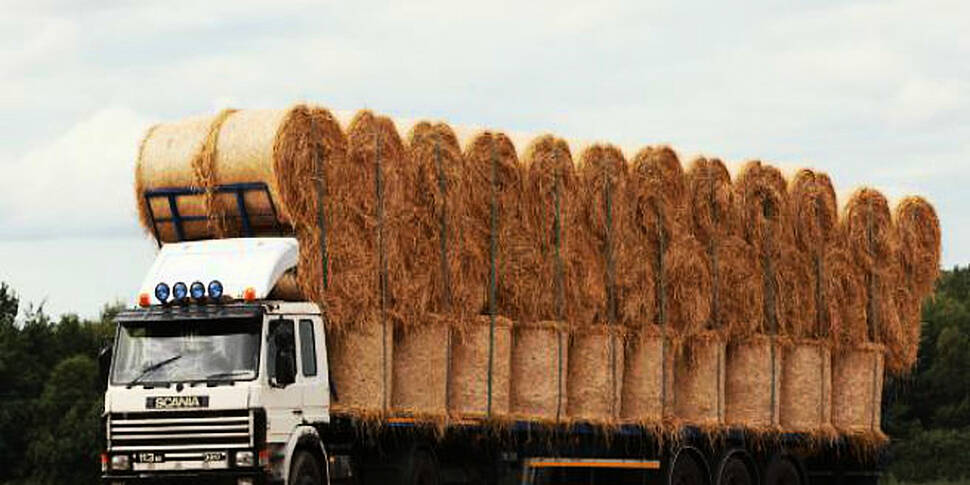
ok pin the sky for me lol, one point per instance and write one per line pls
(874, 93)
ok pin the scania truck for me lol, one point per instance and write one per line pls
(213, 377)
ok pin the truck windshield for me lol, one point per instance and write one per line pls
(186, 351)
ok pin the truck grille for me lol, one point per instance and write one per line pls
(181, 431)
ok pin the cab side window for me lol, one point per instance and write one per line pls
(308, 348)
(281, 365)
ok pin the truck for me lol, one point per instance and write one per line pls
(214, 378)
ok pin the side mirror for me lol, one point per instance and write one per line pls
(104, 365)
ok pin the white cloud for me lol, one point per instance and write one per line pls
(78, 184)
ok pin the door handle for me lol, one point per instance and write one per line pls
(298, 412)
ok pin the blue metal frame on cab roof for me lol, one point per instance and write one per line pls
(172, 194)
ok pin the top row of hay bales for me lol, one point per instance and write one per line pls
(433, 225)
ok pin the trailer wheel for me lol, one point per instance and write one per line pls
(686, 470)
(734, 472)
(422, 469)
(305, 470)
(782, 471)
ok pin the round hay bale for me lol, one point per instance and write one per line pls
(737, 299)
(468, 395)
(765, 225)
(738, 290)
(540, 359)
(647, 378)
(763, 201)
(688, 287)
(869, 230)
(548, 286)
(918, 235)
(845, 308)
(603, 216)
(699, 379)
(165, 160)
(493, 184)
(362, 224)
(908, 310)
(814, 210)
(420, 369)
(753, 384)
(361, 368)
(658, 198)
(433, 213)
(595, 373)
(872, 240)
(857, 377)
(815, 221)
(795, 293)
(713, 204)
(806, 387)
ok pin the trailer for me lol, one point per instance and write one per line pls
(213, 379)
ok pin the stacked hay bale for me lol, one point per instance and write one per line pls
(786, 282)
(434, 292)
(857, 366)
(752, 362)
(365, 195)
(693, 382)
(596, 346)
(918, 238)
(807, 362)
(481, 383)
(640, 295)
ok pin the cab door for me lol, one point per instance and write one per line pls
(283, 399)
(313, 368)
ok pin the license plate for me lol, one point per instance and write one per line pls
(151, 458)
(213, 456)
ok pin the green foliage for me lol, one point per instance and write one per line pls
(929, 414)
(50, 397)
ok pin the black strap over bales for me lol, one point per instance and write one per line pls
(443, 226)
(321, 177)
(492, 270)
(382, 261)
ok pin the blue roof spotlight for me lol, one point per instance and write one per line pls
(162, 292)
(197, 290)
(179, 291)
(215, 289)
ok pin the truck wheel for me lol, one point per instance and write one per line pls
(734, 472)
(782, 471)
(305, 470)
(686, 471)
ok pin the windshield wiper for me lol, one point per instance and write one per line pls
(222, 375)
(153, 368)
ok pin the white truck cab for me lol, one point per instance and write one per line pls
(210, 377)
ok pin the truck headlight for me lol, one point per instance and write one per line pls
(120, 462)
(245, 458)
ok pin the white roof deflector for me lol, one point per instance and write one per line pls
(238, 264)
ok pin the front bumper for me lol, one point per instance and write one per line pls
(228, 477)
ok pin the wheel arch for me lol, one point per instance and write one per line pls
(305, 438)
(693, 452)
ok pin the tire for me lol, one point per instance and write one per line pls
(305, 470)
(422, 469)
(735, 472)
(782, 471)
(686, 471)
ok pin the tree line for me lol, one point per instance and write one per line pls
(51, 428)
